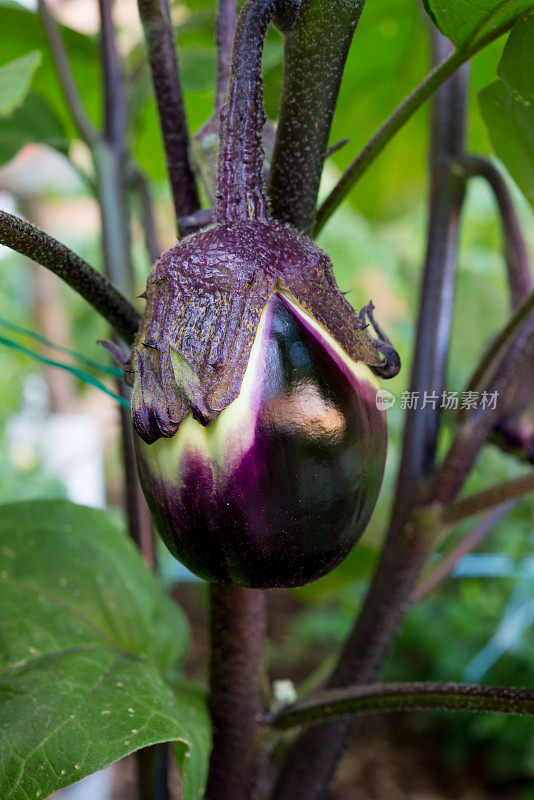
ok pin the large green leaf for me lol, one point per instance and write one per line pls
(35, 121)
(466, 23)
(15, 81)
(88, 644)
(508, 106)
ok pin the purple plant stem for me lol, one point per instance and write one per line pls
(87, 130)
(315, 53)
(477, 427)
(159, 38)
(34, 243)
(238, 628)
(313, 757)
(115, 101)
(111, 168)
(240, 169)
(382, 697)
(467, 545)
(447, 191)
(148, 218)
(515, 247)
(488, 499)
(225, 28)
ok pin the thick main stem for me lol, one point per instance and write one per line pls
(238, 627)
(159, 38)
(313, 757)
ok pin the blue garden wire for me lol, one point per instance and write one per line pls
(79, 373)
(114, 371)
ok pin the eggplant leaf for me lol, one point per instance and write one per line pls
(467, 24)
(508, 106)
(15, 81)
(88, 646)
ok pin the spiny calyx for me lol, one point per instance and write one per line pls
(204, 299)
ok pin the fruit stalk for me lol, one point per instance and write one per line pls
(241, 194)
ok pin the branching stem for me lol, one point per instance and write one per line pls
(159, 37)
(33, 243)
(488, 499)
(88, 132)
(225, 28)
(407, 697)
(466, 546)
(515, 247)
(477, 427)
(412, 536)
(441, 73)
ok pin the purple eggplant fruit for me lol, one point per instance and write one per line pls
(259, 443)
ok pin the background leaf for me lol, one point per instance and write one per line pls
(508, 106)
(15, 81)
(466, 23)
(26, 33)
(34, 122)
(88, 642)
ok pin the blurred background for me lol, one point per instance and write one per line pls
(59, 431)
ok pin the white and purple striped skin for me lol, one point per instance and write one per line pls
(276, 491)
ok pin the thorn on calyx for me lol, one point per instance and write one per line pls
(391, 364)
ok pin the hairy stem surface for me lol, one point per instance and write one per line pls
(33, 243)
(314, 59)
(159, 37)
(240, 168)
(225, 28)
(407, 697)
